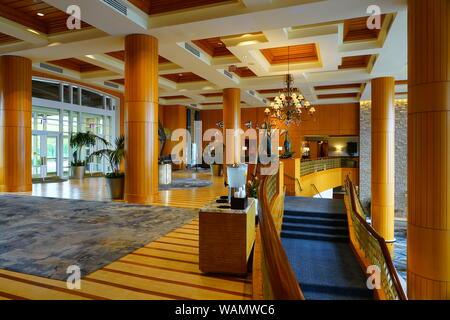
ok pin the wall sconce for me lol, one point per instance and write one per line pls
(244, 148)
(280, 148)
(339, 148)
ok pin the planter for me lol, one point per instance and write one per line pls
(217, 170)
(78, 172)
(116, 187)
(165, 174)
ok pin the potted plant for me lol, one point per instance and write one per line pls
(216, 169)
(115, 179)
(78, 141)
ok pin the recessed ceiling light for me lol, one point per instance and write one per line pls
(40, 14)
(33, 31)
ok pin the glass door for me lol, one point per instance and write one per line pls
(51, 156)
(45, 155)
(36, 156)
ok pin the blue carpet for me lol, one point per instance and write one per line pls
(315, 237)
(43, 236)
(186, 183)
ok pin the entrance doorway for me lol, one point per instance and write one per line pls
(45, 155)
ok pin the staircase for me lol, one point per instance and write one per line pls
(315, 226)
(316, 240)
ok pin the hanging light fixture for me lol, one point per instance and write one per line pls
(289, 105)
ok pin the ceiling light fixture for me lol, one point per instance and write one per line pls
(33, 31)
(40, 14)
(288, 105)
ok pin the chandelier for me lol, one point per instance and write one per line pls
(289, 105)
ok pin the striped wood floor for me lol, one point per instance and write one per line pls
(165, 269)
(95, 189)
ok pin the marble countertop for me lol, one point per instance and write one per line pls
(213, 207)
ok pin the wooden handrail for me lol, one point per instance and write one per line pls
(385, 251)
(297, 180)
(279, 282)
(316, 190)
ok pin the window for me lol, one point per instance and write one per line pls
(76, 95)
(46, 90)
(53, 124)
(92, 99)
(66, 93)
(45, 119)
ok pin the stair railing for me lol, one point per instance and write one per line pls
(371, 247)
(316, 190)
(273, 277)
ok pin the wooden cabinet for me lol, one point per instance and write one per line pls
(226, 238)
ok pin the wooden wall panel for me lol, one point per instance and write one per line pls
(338, 119)
(141, 118)
(429, 150)
(174, 118)
(326, 180)
(15, 124)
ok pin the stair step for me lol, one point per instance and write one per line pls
(315, 221)
(313, 228)
(313, 236)
(328, 215)
(326, 292)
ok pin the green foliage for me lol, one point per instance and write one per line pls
(115, 175)
(253, 187)
(114, 156)
(78, 163)
(80, 140)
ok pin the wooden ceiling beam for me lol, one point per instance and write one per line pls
(22, 18)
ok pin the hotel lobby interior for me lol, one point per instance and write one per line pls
(224, 150)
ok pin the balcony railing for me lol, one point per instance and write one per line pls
(371, 247)
(311, 166)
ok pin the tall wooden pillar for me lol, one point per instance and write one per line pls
(141, 118)
(232, 121)
(383, 158)
(429, 150)
(15, 124)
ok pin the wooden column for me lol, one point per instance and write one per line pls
(383, 158)
(232, 120)
(15, 124)
(141, 118)
(429, 150)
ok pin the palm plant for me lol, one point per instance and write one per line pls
(114, 157)
(80, 140)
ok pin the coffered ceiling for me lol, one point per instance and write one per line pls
(208, 45)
